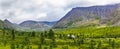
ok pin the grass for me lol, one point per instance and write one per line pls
(85, 38)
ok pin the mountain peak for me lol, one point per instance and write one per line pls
(7, 21)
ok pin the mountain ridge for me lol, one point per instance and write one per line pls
(81, 15)
(29, 25)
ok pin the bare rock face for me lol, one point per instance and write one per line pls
(80, 16)
(115, 17)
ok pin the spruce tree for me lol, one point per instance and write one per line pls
(113, 44)
(39, 46)
(42, 38)
(51, 34)
(33, 34)
(13, 34)
(52, 37)
(12, 45)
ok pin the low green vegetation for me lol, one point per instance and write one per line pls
(68, 38)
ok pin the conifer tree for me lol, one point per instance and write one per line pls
(42, 38)
(13, 34)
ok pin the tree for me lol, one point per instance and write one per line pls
(22, 46)
(80, 41)
(26, 41)
(42, 38)
(40, 46)
(50, 47)
(92, 44)
(4, 39)
(5, 42)
(33, 34)
(99, 44)
(46, 34)
(60, 36)
(13, 34)
(51, 34)
(113, 44)
(3, 33)
(52, 37)
(12, 46)
(45, 47)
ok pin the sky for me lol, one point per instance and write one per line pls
(18, 11)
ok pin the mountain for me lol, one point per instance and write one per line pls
(49, 23)
(27, 25)
(4, 25)
(90, 16)
(36, 25)
(115, 19)
(12, 25)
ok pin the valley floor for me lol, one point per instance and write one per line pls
(69, 38)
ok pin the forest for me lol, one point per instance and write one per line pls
(67, 38)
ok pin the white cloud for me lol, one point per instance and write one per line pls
(42, 10)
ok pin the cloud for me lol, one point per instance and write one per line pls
(43, 10)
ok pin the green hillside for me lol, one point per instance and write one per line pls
(69, 38)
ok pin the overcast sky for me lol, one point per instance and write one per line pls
(43, 10)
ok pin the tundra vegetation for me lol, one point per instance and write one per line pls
(68, 38)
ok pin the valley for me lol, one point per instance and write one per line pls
(69, 38)
(94, 27)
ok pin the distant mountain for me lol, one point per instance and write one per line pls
(48, 23)
(4, 25)
(12, 25)
(27, 25)
(36, 25)
(90, 16)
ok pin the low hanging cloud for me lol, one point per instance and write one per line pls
(43, 10)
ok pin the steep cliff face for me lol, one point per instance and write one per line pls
(95, 15)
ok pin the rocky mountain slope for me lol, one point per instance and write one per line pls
(11, 25)
(90, 16)
(36, 25)
(4, 25)
(26, 25)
